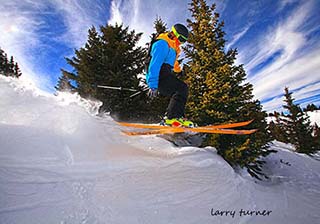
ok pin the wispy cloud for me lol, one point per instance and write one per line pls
(78, 16)
(29, 29)
(284, 3)
(301, 72)
(292, 67)
(238, 36)
(302, 97)
(140, 14)
(19, 23)
(285, 37)
(116, 16)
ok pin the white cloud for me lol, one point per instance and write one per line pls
(238, 36)
(293, 67)
(115, 13)
(140, 14)
(78, 17)
(286, 37)
(298, 73)
(304, 93)
(21, 35)
(273, 105)
(18, 28)
(308, 91)
(284, 3)
(19, 24)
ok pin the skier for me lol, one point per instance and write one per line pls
(161, 78)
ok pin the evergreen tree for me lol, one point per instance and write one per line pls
(297, 125)
(310, 107)
(16, 70)
(85, 64)
(277, 129)
(110, 58)
(2, 61)
(64, 84)
(6, 65)
(316, 136)
(9, 67)
(218, 92)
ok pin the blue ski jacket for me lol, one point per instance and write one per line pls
(163, 51)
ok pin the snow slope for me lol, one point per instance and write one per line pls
(314, 117)
(59, 163)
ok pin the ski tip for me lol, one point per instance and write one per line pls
(251, 131)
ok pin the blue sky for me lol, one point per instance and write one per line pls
(278, 40)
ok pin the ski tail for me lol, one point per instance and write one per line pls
(140, 125)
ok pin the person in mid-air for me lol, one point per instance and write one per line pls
(161, 76)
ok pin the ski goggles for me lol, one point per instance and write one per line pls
(180, 37)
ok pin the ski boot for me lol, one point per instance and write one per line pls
(177, 122)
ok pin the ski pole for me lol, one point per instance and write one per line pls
(117, 88)
(135, 94)
(139, 92)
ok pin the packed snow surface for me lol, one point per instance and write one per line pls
(60, 163)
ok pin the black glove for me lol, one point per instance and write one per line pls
(152, 93)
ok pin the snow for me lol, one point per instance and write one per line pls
(314, 117)
(60, 163)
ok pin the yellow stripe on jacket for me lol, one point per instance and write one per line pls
(176, 46)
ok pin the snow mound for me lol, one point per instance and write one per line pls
(60, 163)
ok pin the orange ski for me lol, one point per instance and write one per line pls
(196, 130)
(158, 126)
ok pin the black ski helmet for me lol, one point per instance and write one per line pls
(181, 32)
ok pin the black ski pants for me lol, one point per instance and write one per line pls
(170, 85)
